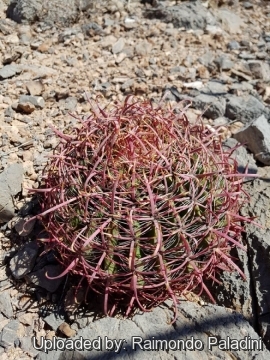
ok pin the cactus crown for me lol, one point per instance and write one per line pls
(142, 204)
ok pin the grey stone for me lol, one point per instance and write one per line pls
(7, 26)
(8, 335)
(82, 322)
(264, 324)
(214, 88)
(244, 109)
(92, 29)
(23, 262)
(53, 321)
(114, 329)
(118, 46)
(55, 355)
(247, 56)
(27, 346)
(129, 51)
(37, 101)
(40, 278)
(214, 106)
(243, 86)
(143, 48)
(175, 95)
(68, 33)
(233, 45)
(261, 44)
(108, 22)
(178, 69)
(127, 84)
(258, 241)
(25, 39)
(130, 24)
(10, 183)
(220, 121)
(11, 57)
(190, 15)
(23, 10)
(224, 63)
(8, 71)
(69, 355)
(70, 103)
(5, 304)
(103, 86)
(230, 21)
(248, 5)
(24, 226)
(207, 59)
(40, 160)
(211, 320)
(9, 112)
(39, 71)
(256, 136)
(69, 60)
(234, 291)
(242, 67)
(193, 321)
(159, 320)
(85, 5)
(262, 55)
(259, 70)
(213, 30)
(5, 284)
(56, 12)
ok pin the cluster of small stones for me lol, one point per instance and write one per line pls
(217, 57)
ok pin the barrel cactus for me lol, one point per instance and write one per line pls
(142, 204)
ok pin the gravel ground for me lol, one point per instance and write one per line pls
(115, 48)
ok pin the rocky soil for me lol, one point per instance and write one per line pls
(52, 58)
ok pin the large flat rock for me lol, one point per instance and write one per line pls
(199, 333)
(258, 240)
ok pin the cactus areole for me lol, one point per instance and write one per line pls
(142, 204)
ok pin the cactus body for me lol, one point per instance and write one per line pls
(142, 204)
